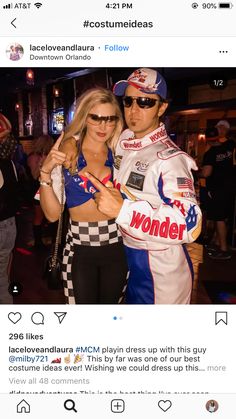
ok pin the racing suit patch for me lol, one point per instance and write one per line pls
(185, 183)
(135, 181)
(142, 166)
(187, 195)
(117, 161)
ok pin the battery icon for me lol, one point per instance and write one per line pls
(225, 5)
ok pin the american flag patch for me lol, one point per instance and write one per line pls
(184, 183)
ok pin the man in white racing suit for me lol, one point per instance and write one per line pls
(153, 198)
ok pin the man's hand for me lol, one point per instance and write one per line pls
(69, 148)
(109, 200)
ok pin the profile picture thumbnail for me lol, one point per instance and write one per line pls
(212, 406)
(15, 51)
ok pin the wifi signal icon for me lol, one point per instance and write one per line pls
(38, 5)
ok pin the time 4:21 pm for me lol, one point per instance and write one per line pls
(119, 5)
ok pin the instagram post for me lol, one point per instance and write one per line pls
(188, 229)
(106, 252)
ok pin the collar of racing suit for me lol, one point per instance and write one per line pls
(131, 143)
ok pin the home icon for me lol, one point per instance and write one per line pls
(23, 407)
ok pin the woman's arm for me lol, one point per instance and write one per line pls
(48, 199)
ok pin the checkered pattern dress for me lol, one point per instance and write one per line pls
(99, 233)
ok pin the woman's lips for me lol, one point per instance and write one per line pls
(101, 134)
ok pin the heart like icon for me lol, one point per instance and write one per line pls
(14, 317)
(164, 405)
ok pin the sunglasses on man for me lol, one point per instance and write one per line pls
(142, 102)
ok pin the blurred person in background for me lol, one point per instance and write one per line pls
(218, 169)
(212, 139)
(8, 205)
(42, 146)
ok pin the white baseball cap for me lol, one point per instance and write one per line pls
(224, 123)
(147, 80)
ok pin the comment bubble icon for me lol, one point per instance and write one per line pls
(37, 318)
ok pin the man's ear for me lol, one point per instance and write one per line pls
(162, 108)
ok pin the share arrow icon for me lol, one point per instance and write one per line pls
(60, 315)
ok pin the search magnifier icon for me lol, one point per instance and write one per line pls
(69, 404)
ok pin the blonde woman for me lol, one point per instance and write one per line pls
(94, 260)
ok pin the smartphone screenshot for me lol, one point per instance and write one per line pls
(117, 209)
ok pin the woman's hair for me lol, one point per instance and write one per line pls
(43, 144)
(85, 103)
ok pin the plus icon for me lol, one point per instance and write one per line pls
(117, 405)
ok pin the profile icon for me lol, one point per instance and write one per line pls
(212, 406)
(15, 52)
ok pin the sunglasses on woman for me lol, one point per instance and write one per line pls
(142, 102)
(95, 119)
